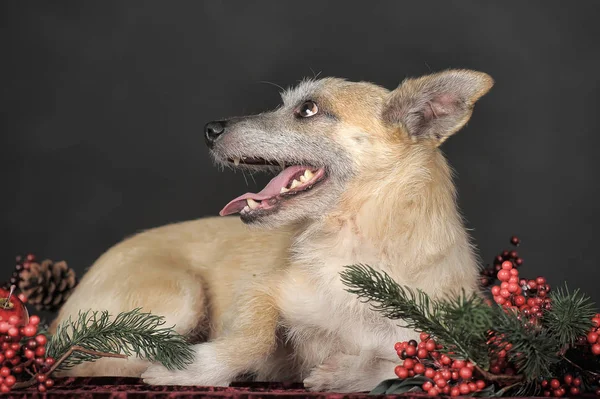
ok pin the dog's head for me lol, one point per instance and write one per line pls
(327, 132)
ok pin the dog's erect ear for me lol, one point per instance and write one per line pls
(433, 107)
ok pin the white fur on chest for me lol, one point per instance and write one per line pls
(322, 318)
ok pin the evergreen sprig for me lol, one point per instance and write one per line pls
(534, 350)
(460, 325)
(571, 315)
(130, 333)
(463, 325)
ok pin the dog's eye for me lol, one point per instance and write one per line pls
(307, 109)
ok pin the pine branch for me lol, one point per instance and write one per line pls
(459, 325)
(130, 333)
(570, 316)
(534, 350)
(61, 360)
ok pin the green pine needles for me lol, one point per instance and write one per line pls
(467, 326)
(129, 333)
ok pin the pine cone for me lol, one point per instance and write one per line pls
(47, 285)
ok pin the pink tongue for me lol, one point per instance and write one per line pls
(271, 190)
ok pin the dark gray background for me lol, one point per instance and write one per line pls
(103, 105)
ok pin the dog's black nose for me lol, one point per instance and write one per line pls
(212, 130)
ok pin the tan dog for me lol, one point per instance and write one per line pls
(366, 184)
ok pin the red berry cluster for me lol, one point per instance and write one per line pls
(593, 337)
(530, 297)
(452, 377)
(22, 349)
(556, 388)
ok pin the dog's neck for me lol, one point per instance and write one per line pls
(401, 218)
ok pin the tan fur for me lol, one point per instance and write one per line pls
(270, 302)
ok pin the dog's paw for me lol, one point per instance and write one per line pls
(204, 371)
(322, 378)
(349, 373)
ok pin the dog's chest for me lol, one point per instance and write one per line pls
(322, 318)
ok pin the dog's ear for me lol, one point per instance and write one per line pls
(433, 107)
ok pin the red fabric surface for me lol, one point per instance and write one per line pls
(133, 388)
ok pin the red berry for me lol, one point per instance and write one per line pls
(4, 326)
(496, 290)
(401, 372)
(34, 320)
(49, 361)
(29, 354)
(464, 388)
(592, 337)
(427, 385)
(423, 336)
(446, 374)
(433, 392)
(519, 300)
(422, 353)
(595, 349)
(454, 391)
(576, 381)
(455, 376)
(458, 364)
(568, 379)
(29, 330)
(500, 300)
(430, 345)
(472, 387)
(465, 373)
(49, 383)
(429, 372)
(540, 280)
(9, 353)
(441, 383)
(503, 275)
(42, 388)
(41, 339)
(554, 384)
(480, 384)
(411, 350)
(419, 368)
(507, 265)
(397, 346)
(4, 371)
(574, 391)
(10, 380)
(4, 389)
(40, 351)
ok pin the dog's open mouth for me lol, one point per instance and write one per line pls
(290, 181)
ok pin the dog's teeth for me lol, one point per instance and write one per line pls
(246, 209)
(282, 164)
(284, 190)
(244, 158)
(303, 179)
(295, 184)
(252, 204)
(236, 161)
(308, 174)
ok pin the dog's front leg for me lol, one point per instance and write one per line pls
(350, 373)
(244, 348)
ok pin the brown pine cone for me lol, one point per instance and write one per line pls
(47, 285)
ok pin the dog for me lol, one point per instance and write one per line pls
(359, 178)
